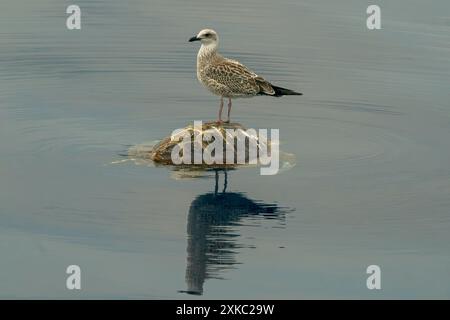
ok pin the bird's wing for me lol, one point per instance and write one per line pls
(238, 78)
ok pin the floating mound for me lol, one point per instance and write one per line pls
(161, 153)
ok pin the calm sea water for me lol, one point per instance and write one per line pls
(371, 137)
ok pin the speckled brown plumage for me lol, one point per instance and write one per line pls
(228, 78)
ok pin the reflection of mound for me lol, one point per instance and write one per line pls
(212, 245)
(141, 154)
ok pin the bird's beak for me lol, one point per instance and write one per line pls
(194, 39)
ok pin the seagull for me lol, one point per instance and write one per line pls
(229, 78)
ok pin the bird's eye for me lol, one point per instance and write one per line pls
(207, 34)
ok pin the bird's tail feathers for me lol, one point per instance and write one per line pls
(279, 91)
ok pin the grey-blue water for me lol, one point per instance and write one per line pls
(371, 137)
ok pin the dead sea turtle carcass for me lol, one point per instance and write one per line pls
(237, 144)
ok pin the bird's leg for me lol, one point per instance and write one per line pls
(220, 110)
(229, 110)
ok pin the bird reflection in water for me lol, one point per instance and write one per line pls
(212, 232)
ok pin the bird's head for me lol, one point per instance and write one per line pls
(206, 37)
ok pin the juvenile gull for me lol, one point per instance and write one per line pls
(229, 78)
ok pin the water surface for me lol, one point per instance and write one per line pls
(371, 137)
